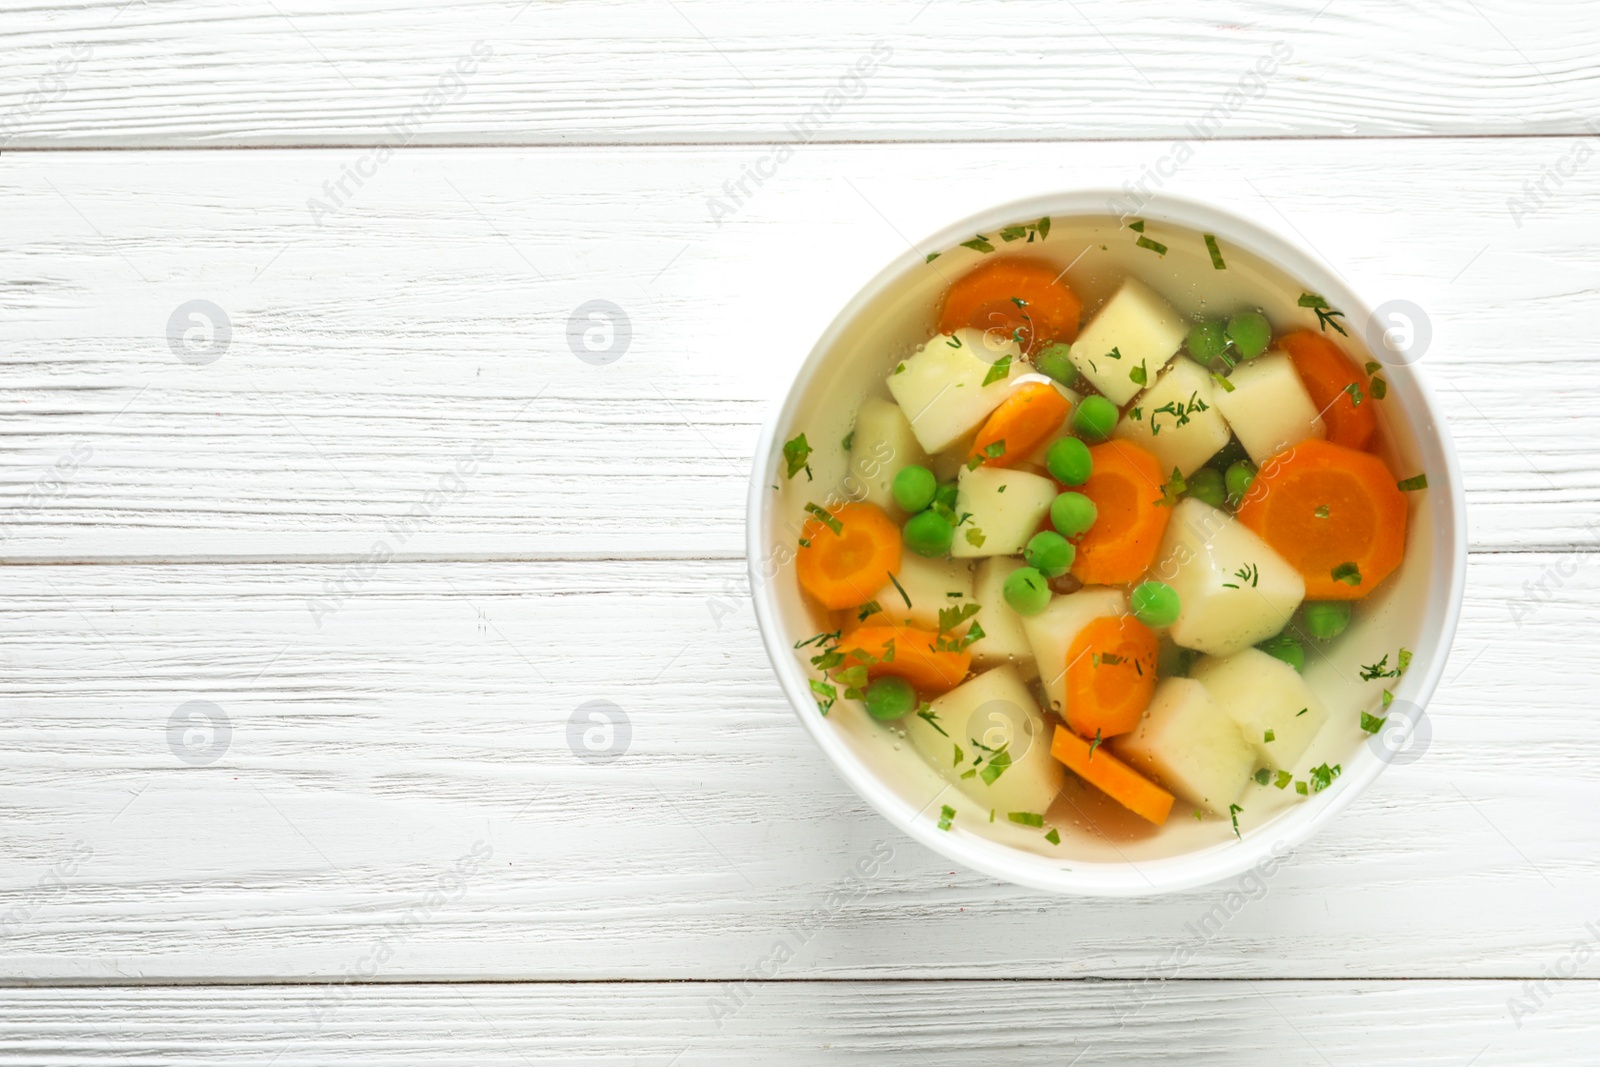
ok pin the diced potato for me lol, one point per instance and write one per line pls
(1142, 329)
(929, 583)
(995, 710)
(1154, 423)
(1233, 589)
(1264, 694)
(941, 389)
(1269, 408)
(1190, 745)
(1004, 640)
(880, 445)
(1006, 508)
(1052, 631)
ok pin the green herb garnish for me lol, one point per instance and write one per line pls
(899, 589)
(931, 717)
(1268, 737)
(1322, 511)
(1283, 779)
(979, 243)
(827, 520)
(849, 439)
(795, 454)
(975, 537)
(1026, 818)
(1233, 813)
(1371, 723)
(825, 695)
(999, 371)
(1325, 313)
(1412, 484)
(1263, 776)
(1138, 375)
(1322, 777)
(1053, 837)
(1381, 669)
(998, 764)
(1227, 386)
(1216, 253)
(947, 815)
(868, 608)
(1155, 246)
(931, 257)
(1348, 573)
(990, 451)
(1356, 395)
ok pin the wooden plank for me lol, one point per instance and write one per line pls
(886, 1024)
(369, 355)
(417, 743)
(632, 71)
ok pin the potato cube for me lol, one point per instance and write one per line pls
(1190, 745)
(1004, 758)
(941, 387)
(1233, 589)
(1006, 507)
(1269, 408)
(1135, 328)
(1176, 419)
(1052, 631)
(1268, 699)
(929, 583)
(881, 444)
(1004, 640)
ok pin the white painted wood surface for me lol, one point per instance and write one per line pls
(396, 800)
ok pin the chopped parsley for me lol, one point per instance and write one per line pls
(899, 589)
(990, 451)
(1227, 386)
(979, 243)
(900, 369)
(1053, 837)
(999, 763)
(1216, 253)
(1138, 375)
(1041, 229)
(1371, 723)
(955, 760)
(1348, 573)
(827, 520)
(931, 257)
(1388, 698)
(825, 695)
(1322, 511)
(931, 717)
(1356, 395)
(1094, 744)
(818, 639)
(975, 537)
(1026, 818)
(1381, 669)
(849, 439)
(795, 454)
(1283, 779)
(1233, 812)
(869, 608)
(1301, 712)
(1249, 573)
(1176, 486)
(1115, 353)
(1137, 225)
(1263, 776)
(1325, 313)
(1403, 659)
(947, 815)
(1155, 246)
(1380, 388)
(998, 372)
(1322, 777)
(1268, 737)
(954, 342)
(1179, 411)
(1412, 484)
(1300, 787)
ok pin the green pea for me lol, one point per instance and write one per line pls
(946, 495)
(1069, 462)
(1050, 554)
(1027, 591)
(1094, 419)
(1325, 619)
(1239, 478)
(1155, 604)
(1072, 514)
(890, 697)
(927, 533)
(914, 488)
(1207, 340)
(1287, 649)
(1208, 485)
(1250, 333)
(1055, 363)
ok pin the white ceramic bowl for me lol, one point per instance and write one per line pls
(1417, 608)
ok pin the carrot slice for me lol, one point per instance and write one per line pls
(917, 656)
(1111, 776)
(1327, 373)
(1018, 298)
(1328, 509)
(846, 568)
(1111, 673)
(1126, 535)
(1021, 422)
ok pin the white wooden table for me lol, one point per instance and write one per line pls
(375, 839)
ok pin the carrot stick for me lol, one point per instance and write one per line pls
(917, 657)
(1334, 513)
(1021, 424)
(1328, 373)
(1014, 298)
(1111, 776)
(1126, 535)
(1111, 673)
(845, 568)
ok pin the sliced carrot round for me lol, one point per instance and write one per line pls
(1111, 776)
(1021, 423)
(1334, 513)
(916, 657)
(1125, 487)
(1111, 674)
(1328, 374)
(1018, 298)
(846, 568)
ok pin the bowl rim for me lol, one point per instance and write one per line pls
(1191, 869)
